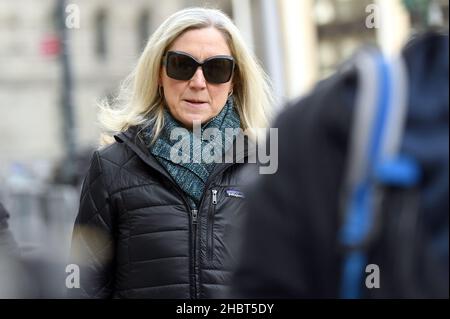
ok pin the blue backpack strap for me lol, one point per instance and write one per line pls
(377, 130)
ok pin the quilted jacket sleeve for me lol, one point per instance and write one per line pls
(93, 237)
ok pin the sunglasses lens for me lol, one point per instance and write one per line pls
(180, 67)
(218, 70)
(183, 67)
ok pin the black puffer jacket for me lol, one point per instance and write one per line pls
(136, 237)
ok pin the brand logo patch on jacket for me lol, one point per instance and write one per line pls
(235, 193)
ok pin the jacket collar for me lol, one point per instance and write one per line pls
(132, 139)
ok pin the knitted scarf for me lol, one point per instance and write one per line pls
(192, 174)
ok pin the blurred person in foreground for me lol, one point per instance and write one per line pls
(292, 246)
(150, 226)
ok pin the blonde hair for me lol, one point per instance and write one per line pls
(139, 102)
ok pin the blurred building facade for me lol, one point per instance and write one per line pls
(297, 41)
(101, 52)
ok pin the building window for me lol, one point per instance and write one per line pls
(426, 15)
(100, 34)
(341, 29)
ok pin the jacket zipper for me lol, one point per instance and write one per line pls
(194, 213)
(194, 216)
(210, 229)
(207, 185)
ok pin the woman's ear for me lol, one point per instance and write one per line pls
(160, 86)
(160, 76)
(230, 91)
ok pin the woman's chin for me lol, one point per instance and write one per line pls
(192, 121)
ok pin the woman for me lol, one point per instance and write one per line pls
(150, 226)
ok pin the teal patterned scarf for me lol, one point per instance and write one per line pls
(192, 175)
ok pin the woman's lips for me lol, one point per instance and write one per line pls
(195, 103)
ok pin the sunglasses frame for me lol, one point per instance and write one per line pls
(199, 64)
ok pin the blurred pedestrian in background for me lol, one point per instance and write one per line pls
(297, 242)
(149, 226)
(27, 274)
(7, 242)
(8, 254)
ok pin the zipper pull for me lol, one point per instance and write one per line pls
(214, 197)
(194, 216)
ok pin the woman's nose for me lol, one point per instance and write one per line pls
(198, 80)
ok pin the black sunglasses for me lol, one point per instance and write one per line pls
(182, 66)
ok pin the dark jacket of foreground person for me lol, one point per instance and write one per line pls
(291, 247)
